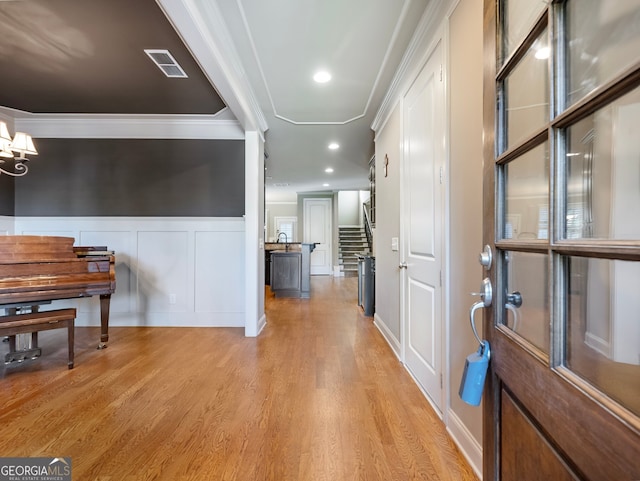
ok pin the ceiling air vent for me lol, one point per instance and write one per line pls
(165, 62)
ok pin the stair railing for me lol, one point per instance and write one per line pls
(367, 224)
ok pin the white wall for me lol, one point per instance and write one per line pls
(387, 286)
(349, 208)
(465, 213)
(169, 271)
(279, 209)
(459, 25)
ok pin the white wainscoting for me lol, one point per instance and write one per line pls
(6, 225)
(169, 271)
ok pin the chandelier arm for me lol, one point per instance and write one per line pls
(20, 170)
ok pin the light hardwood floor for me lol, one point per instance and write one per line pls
(317, 396)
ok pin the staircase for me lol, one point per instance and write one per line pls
(353, 241)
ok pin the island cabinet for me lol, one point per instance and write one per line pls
(285, 273)
(290, 272)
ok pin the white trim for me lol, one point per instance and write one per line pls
(392, 340)
(471, 449)
(205, 33)
(108, 126)
(374, 86)
(138, 281)
(446, 221)
(254, 232)
(7, 225)
(415, 57)
(262, 323)
(137, 223)
(435, 408)
(325, 269)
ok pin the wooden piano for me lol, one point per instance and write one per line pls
(36, 270)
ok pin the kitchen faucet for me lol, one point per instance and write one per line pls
(286, 240)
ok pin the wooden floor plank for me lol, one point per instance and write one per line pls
(319, 395)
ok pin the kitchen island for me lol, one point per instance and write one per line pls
(289, 268)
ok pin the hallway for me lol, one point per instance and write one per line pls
(356, 411)
(318, 396)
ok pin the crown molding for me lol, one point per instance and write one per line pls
(206, 35)
(114, 126)
(421, 45)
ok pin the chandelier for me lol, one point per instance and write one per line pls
(21, 144)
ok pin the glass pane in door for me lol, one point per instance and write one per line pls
(603, 40)
(603, 330)
(526, 94)
(603, 173)
(527, 307)
(527, 195)
(518, 17)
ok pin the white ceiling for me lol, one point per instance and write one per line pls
(280, 44)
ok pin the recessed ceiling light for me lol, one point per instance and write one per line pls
(325, 185)
(322, 76)
(334, 146)
(328, 170)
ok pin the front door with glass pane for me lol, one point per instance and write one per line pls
(562, 217)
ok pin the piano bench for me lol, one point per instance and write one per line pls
(40, 321)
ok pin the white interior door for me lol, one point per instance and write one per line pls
(423, 161)
(317, 229)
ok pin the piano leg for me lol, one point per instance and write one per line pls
(105, 302)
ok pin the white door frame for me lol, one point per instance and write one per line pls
(325, 268)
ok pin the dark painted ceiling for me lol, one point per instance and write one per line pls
(87, 56)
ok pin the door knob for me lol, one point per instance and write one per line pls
(486, 257)
(515, 299)
(403, 265)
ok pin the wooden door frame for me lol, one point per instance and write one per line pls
(490, 414)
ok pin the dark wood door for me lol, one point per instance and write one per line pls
(562, 218)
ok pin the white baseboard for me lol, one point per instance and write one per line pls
(470, 448)
(393, 342)
(262, 323)
(162, 319)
